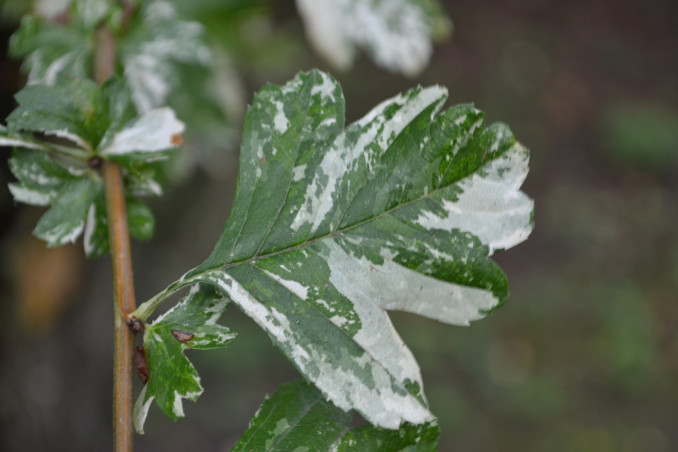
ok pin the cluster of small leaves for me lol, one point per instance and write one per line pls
(66, 126)
(191, 324)
(149, 42)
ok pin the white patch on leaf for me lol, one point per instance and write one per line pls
(177, 407)
(30, 196)
(62, 233)
(295, 287)
(326, 89)
(154, 131)
(280, 121)
(7, 141)
(395, 287)
(298, 173)
(141, 407)
(90, 226)
(491, 206)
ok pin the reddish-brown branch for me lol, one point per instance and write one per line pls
(123, 295)
(121, 260)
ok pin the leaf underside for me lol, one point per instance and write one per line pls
(297, 416)
(334, 225)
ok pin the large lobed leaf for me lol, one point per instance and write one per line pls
(334, 225)
(297, 416)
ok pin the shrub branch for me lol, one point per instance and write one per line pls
(121, 260)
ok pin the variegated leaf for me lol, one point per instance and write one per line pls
(150, 50)
(397, 34)
(52, 52)
(40, 179)
(332, 226)
(65, 220)
(172, 377)
(297, 417)
(98, 121)
(154, 132)
(74, 110)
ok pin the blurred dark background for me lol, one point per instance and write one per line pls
(583, 357)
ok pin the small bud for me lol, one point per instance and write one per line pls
(135, 325)
(95, 162)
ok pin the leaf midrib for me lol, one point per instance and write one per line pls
(254, 259)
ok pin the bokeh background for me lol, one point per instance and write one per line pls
(583, 357)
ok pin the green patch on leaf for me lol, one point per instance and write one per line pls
(191, 324)
(297, 417)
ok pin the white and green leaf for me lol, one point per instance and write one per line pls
(298, 416)
(172, 377)
(52, 52)
(151, 49)
(146, 137)
(65, 220)
(99, 123)
(73, 110)
(40, 179)
(334, 225)
(397, 34)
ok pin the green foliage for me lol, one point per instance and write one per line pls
(334, 225)
(148, 48)
(191, 324)
(298, 415)
(92, 123)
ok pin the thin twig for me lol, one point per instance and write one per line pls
(121, 260)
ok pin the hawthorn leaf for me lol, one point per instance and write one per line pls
(40, 179)
(52, 52)
(70, 110)
(150, 49)
(332, 226)
(153, 132)
(95, 236)
(65, 220)
(298, 416)
(172, 377)
(397, 34)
